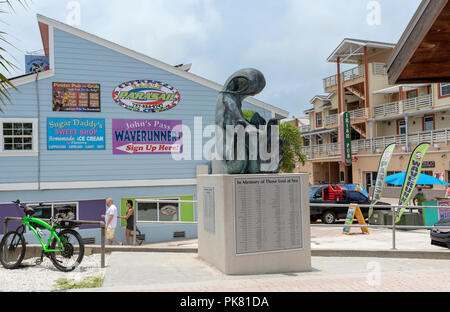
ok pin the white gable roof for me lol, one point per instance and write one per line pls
(146, 59)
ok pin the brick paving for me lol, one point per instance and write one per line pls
(156, 272)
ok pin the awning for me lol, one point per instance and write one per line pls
(351, 51)
(395, 89)
(319, 132)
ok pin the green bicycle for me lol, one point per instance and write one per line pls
(64, 247)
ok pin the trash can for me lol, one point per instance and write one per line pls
(407, 219)
(378, 217)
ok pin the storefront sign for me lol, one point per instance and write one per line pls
(443, 212)
(429, 164)
(412, 175)
(146, 96)
(76, 97)
(145, 136)
(346, 139)
(75, 134)
(36, 63)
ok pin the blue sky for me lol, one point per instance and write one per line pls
(288, 40)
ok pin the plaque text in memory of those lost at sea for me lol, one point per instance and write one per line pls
(268, 214)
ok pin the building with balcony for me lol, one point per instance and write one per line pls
(381, 114)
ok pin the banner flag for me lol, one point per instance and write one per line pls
(382, 174)
(412, 175)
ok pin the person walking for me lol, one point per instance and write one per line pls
(130, 223)
(111, 221)
(420, 198)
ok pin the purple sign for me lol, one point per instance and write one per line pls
(146, 136)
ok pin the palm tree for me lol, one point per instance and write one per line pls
(292, 144)
(5, 84)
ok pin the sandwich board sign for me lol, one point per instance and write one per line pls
(353, 211)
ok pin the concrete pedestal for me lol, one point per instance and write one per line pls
(254, 224)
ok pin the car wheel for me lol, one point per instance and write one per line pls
(328, 217)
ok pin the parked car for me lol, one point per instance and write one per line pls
(335, 194)
(441, 236)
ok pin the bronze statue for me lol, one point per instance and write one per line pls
(244, 83)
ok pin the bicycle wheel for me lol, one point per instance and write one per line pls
(12, 250)
(69, 259)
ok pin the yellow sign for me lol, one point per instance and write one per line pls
(353, 211)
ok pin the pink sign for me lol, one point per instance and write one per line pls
(444, 213)
(145, 136)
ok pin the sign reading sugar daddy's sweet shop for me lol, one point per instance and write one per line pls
(75, 134)
(145, 136)
(146, 96)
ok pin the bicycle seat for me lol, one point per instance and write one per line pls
(28, 211)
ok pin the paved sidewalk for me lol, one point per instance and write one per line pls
(167, 272)
(332, 238)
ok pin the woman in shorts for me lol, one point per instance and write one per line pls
(130, 223)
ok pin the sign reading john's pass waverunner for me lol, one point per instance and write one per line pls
(146, 96)
(145, 136)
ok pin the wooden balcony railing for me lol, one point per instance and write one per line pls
(354, 73)
(418, 103)
(386, 109)
(331, 120)
(365, 146)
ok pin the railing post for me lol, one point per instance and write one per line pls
(394, 216)
(102, 229)
(5, 226)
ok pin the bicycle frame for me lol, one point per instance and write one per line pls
(46, 247)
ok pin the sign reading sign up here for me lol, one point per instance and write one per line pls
(75, 134)
(145, 136)
(146, 96)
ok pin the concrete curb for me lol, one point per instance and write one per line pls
(402, 254)
(35, 251)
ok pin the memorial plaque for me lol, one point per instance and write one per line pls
(208, 209)
(267, 214)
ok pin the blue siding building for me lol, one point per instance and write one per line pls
(51, 166)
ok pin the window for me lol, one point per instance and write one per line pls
(18, 135)
(444, 89)
(306, 142)
(412, 94)
(50, 210)
(428, 123)
(334, 138)
(158, 212)
(355, 196)
(318, 120)
(401, 127)
(319, 140)
(371, 179)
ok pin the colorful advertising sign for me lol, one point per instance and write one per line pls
(146, 96)
(412, 175)
(382, 173)
(346, 139)
(75, 134)
(144, 136)
(444, 213)
(36, 63)
(76, 97)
